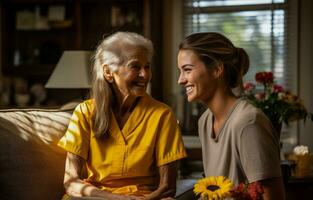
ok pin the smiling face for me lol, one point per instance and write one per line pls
(200, 83)
(132, 77)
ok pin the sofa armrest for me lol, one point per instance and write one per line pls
(31, 163)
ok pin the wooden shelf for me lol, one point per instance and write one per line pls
(38, 50)
(32, 70)
(25, 2)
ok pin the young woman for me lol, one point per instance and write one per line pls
(238, 141)
(128, 141)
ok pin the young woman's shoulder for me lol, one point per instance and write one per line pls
(205, 116)
(246, 114)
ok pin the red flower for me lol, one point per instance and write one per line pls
(264, 77)
(260, 96)
(240, 192)
(277, 88)
(253, 191)
(248, 87)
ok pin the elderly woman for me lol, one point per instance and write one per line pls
(128, 141)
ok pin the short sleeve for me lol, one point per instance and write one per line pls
(169, 144)
(77, 137)
(259, 153)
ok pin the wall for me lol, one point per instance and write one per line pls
(0, 43)
(306, 68)
(172, 35)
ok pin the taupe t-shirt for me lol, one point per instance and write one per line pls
(246, 149)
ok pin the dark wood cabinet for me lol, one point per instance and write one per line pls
(36, 32)
(299, 188)
(31, 43)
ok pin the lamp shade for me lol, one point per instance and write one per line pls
(72, 71)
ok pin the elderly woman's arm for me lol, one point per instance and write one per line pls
(76, 187)
(167, 185)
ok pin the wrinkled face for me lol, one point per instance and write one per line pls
(132, 78)
(200, 83)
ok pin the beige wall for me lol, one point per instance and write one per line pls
(0, 43)
(172, 35)
(306, 68)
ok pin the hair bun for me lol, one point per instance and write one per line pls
(243, 60)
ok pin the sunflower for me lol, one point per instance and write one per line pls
(213, 187)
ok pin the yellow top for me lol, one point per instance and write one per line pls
(127, 160)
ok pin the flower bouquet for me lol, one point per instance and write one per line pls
(278, 104)
(219, 188)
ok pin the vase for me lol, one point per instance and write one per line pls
(277, 127)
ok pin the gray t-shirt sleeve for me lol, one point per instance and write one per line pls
(259, 153)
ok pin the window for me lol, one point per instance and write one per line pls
(258, 26)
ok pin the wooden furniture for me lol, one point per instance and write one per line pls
(299, 188)
(36, 32)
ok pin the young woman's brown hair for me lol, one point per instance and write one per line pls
(212, 47)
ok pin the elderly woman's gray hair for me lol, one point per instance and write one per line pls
(113, 53)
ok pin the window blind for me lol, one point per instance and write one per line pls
(258, 26)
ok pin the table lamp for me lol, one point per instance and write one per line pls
(72, 71)
(70, 80)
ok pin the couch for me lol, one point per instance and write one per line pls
(31, 164)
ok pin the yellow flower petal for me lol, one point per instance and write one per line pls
(213, 188)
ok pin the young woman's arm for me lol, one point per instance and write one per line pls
(76, 187)
(260, 155)
(167, 185)
(273, 189)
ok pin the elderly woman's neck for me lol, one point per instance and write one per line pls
(125, 104)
